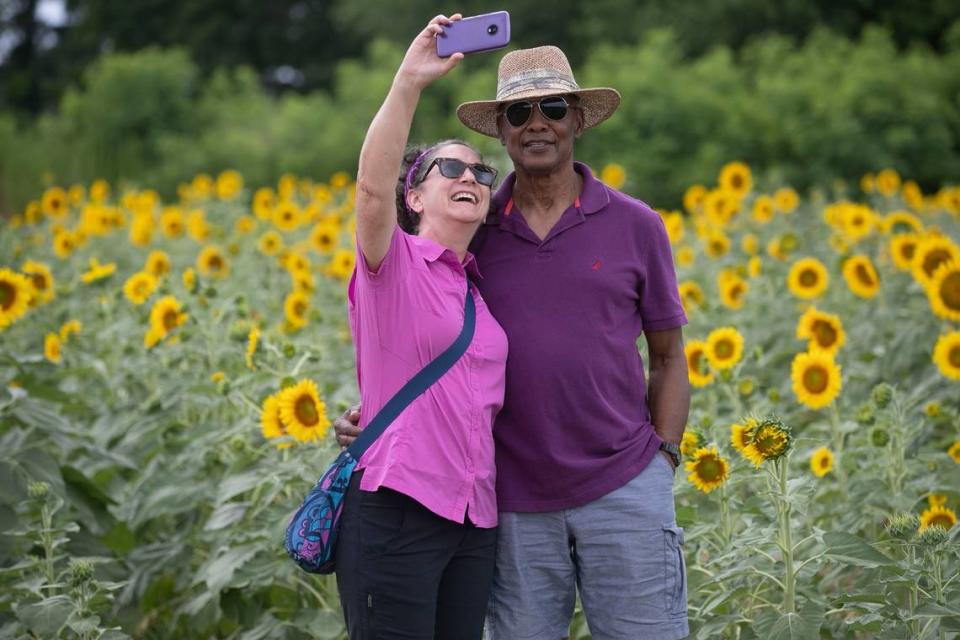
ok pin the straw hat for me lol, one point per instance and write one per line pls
(536, 73)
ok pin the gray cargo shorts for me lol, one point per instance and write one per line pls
(623, 551)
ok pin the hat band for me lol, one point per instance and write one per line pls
(535, 79)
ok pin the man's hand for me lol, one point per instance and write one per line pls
(665, 455)
(346, 426)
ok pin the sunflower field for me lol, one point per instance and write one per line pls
(169, 372)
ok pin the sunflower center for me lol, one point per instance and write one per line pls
(8, 294)
(907, 249)
(815, 379)
(723, 349)
(709, 469)
(39, 281)
(306, 411)
(736, 181)
(809, 278)
(941, 520)
(768, 442)
(299, 308)
(954, 356)
(824, 333)
(934, 259)
(863, 274)
(216, 263)
(170, 317)
(824, 462)
(736, 291)
(950, 290)
(695, 359)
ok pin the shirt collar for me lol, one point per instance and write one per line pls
(432, 251)
(593, 197)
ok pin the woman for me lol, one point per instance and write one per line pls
(416, 549)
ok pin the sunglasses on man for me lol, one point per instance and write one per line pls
(453, 168)
(518, 113)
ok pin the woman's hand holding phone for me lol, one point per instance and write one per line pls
(421, 65)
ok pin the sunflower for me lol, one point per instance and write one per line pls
(271, 422)
(816, 379)
(763, 209)
(912, 195)
(754, 266)
(141, 230)
(750, 244)
(785, 199)
(689, 443)
(228, 185)
(69, 328)
(685, 256)
(699, 374)
(295, 308)
(933, 251)
(63, 244)
(212, 262)
(158, 263)
(139, 287)
(732, 291)
(342, 264)
(99, 191)
(296, 262)
(270, 243)
(286, 216)
(302, 281)
(724, 347)
(197, 227)
(613, 175)
(768, 440)
(946, 355)
(165, 316)
(937, 516)
(736, 178)
(201, 186)
(808, 278)
(861, 276)
(244, 225)
(323, 237)
(716, 243)
(868, 183)
(901, 222)
(721, 206)
(54, 202)
(903, 247)
(943, 291)
(263, 203)
(189, 279)
(857, 221)
(41, 278)
(98, 271)
(821, 462)
(693, 198)
(740, 434)
(171, 221)
(888, 182)
(823, 330)
(303, 412)
(707, 470)
(691, 295)
(673, 223)
(954, 451)
(52, 348)
(253, 340)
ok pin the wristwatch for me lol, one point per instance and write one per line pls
(672, 450)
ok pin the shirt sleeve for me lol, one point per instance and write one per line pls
(659, 297)
(396, 263)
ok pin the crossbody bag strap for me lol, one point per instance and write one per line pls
(418, 383)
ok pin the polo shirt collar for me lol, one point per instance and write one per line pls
(432, 251)
(593, 198)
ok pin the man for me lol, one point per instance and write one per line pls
(585, 449)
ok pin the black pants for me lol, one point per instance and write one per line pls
(405, 572)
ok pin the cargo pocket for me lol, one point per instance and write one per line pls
(676, 583)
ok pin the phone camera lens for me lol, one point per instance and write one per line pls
(492, 29)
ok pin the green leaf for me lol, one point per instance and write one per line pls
(235, 485)
(935, 610)
(686, 516)
(218, 573)
(793, 627)
(226, 515)
(853, 549)
(47, 617)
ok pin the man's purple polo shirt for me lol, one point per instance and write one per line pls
(575, 423)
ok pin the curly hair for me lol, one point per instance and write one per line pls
(422, 156)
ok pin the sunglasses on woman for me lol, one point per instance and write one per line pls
(453, 168)
(518, 113)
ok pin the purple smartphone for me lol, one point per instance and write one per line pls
(485, 32)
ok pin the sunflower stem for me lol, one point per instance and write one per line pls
(838, 448)
(784, 509)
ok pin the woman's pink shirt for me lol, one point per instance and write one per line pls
(439, 450)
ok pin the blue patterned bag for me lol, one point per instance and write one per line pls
(311, 536)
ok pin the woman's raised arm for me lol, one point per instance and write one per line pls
(386, 138)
